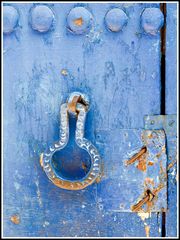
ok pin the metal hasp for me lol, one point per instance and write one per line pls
(77, 105)
(169, 124)
(135, 180)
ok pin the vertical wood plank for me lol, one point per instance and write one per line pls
(171, 108)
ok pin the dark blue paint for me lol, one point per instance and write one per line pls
(75, 167)
(121, 74)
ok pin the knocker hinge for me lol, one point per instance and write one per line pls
(77, 99)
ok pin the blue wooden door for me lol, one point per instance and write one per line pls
(112, 52)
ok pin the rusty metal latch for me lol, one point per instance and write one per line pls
(78, 105)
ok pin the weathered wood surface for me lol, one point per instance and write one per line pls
(121, 74)
(171, 108)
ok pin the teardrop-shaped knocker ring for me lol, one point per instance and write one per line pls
(77, 104)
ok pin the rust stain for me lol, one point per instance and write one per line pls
(73, 103)
(171, 164)
(147, 230)
(162, 172)
(150, 135)
(136, 156)
(78, 21)
(15, 219)
(156, 191)
(138, 205)
(98, 179)
(142, 164)
(148, 199)
(163, 149)
(41, 160)
(149, 181)
(158, 155)
(150, 163)
(84, 167)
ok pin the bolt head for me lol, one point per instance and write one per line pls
(79, 20)
(10, 19)
(116, 19)
(41, 18)
(152, 19)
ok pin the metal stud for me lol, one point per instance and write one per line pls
(41, 18)
(116, 19)
(152, 19)
(79, 20)
(10, 19)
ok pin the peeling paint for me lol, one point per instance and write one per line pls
(78, 21)
(15, 219)
(38, 193)
(147, 230)
(17, 185)
(64, 72)
(46, 223)
(144, 215)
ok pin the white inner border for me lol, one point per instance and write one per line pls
(10, 2)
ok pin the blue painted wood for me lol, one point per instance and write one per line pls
(171, 108)
(121, 74)
(171, 59)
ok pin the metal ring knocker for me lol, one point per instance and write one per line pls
(77, 104)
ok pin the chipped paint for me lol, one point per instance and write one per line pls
(147, 230)
(78, 21)
(64, 72)
(41, 160)
(38, 193)
(45, 224)
(144, 215)
(171, 164)
(15, 219)
(142, 163)
(17, 185)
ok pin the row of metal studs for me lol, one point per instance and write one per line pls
(80, 20)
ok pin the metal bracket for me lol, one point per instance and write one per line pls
(135, 180)
(169, 124)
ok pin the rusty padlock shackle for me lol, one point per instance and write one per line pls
(77, 104)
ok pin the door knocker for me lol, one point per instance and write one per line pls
(77, 105)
